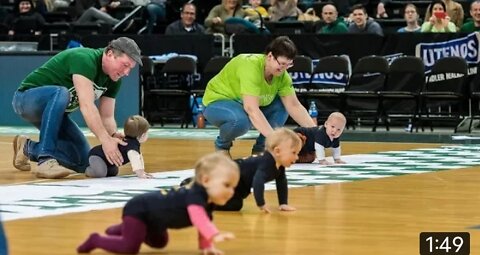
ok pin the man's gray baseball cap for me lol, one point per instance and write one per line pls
(129, 47)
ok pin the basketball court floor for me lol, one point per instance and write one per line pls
(378, 203)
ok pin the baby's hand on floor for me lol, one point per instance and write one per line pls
(265, 209)
(324, 162)
(285, 207)
(142, 174)
(223, 236)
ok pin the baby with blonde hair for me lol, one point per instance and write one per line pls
(282, 148)
(147, 217)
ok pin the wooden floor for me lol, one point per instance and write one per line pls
(378, 216)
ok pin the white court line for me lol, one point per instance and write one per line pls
(44, 197)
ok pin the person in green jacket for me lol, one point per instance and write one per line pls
(474, 24)
(333, 24)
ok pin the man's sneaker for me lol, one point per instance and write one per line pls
(20, 160)
(51, 169)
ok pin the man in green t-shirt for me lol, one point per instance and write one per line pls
(72, 79)
(254, 89)
(474, 24)
(333, 24)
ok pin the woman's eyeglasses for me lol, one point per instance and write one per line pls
(284, 65)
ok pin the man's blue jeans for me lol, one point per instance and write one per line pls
(233, 121)
(60, 137)
(3, 240)
(94, 14)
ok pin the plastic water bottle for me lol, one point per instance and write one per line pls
(313, 111)
(200, 117)
(409, 127)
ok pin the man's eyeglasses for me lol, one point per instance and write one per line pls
(284, 65)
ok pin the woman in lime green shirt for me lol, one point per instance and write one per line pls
(254, 89)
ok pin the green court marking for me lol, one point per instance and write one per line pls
(41, 199)
(391, 164)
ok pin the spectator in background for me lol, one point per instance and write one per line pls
(255, 9)
(256, 13)
(203, 8)
(40, 6)
(92, 11)
(411, 17)
(186, 24)
(24, 19)
(53, 5)
(283, 9)
(453, 9)
(362, 24)
(474, 24)
(156, 12)
(215, 22)
(381, 10)
(307, 3)
(333, 24)
(439, 22)
(112, 6)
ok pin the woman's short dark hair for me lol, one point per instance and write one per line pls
(434, 2)
(282, 46)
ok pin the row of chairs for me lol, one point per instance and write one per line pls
(170, 90)
(375, 90)
(380, 92)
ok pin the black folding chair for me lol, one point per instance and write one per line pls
(360, 98)
(172, 96)
(474, 102)
(399, 99)
(302, 66)
(212, 68)
(148, 81)
(327, 95)
(442, 98)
